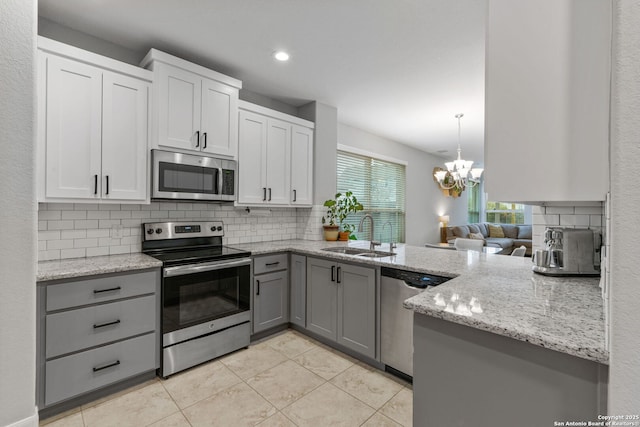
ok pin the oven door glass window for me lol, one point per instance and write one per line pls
(178, 178)
(196, 298)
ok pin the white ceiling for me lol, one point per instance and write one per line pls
(400, 69)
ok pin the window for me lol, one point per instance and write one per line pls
(380, 186)
(473, 194)
(505, 213)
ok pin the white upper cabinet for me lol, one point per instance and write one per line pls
(275, 158)
(301, 166)
(196, 109)
(92, 127)
(547, 100)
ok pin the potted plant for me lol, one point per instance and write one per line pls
(338, 209)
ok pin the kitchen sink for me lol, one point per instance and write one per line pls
(366, 253)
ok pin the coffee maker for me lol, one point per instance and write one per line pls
(569, 252)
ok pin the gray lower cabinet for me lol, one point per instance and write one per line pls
(298, 290)
(341, 304)
(94, 332)
(270, 292)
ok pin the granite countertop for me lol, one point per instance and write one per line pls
(78, 267)
(494, 293)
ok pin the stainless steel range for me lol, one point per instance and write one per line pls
(205, 292)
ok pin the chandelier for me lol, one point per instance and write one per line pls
(459, 173)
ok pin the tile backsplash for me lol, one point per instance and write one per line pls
(582, 216)
(73, 230)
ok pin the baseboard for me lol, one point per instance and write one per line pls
(31, 421)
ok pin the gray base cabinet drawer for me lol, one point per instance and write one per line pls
(101, 289)
(72, 375)
(268, 263)
(75, 330)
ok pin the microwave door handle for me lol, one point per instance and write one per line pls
(219, 189)
(182, 270)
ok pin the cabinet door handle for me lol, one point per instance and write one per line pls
(269, 193)
(269, 264)
(257, 287)
(99, 291)
(107, 192)
(102, 325)
(264, 194)
(338, 275)
(333, 272)
(109, 365)
(197, 138)
(204, 140)
(295, 196)
(95, 184)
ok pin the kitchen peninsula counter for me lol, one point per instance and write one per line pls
(494, 293)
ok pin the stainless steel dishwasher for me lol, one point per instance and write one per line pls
(396, 336)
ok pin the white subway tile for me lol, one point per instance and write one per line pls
(120, 214)
(49, 235)
(85, 206)
(98, 215)
(136, 248)
(49, 215)
(60, 207)
(177, 214)
(60, 244)
(108, 241)
(546, 219)
(130, 240)
(538, 210)
(574, 220)
(74, 214)
(129, 207)
(85, 243)
(99, 251)
(159, 214)
(589, 210)
(136, 231)
(131, 222)
(114, 250)
(168, 206)
(60, 225)
(99, 232)
(42, 206)
(73, 253)
(151, 207)
(595, 220)
(107, 223)
(86, 223)
(109, 207)
(73, 234)
(560, 210)
(42, 225)
(141, 214)
(185, 206)
(48, 255)
(42, 245)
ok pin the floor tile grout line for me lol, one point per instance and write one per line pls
(208, 397)
(360, 400)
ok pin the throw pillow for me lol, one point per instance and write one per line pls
(495, 231)
(510, 231)
(461, 231)
(524, 232)
(476, 236)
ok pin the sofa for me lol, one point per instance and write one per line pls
(505, 236)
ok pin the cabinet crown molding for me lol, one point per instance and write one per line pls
(159, 56)
(268, 112)
(86, 57)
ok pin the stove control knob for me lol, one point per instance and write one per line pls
(219, 228)
(158, 230)
(150, 231)
(213, 228)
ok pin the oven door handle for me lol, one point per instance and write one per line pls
(181, 270)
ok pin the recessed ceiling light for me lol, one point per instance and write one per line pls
(281, 55)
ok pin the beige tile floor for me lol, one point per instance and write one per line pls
(285, 380)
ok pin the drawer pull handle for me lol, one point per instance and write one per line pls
(333, 272)
(99, 291)
(257, 287)
(338, 275)
(269, 264)
(100, 368)
(102, 325)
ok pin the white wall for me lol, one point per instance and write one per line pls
(624, 385)
(424, 201)
(17, 213)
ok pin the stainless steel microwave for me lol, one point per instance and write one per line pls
(180, 176)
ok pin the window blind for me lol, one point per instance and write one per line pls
(380, 186)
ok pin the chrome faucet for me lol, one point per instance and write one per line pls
(391, 244)
(373, 244)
